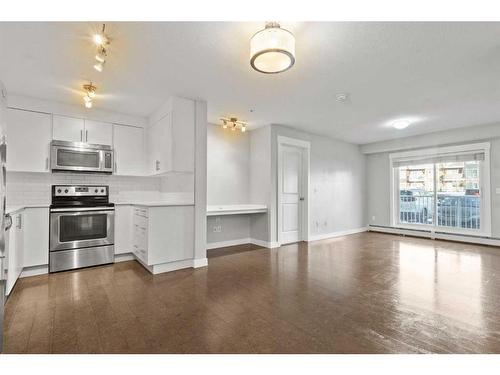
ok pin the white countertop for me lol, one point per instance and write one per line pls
(155, 203)
(236, 209)
(15, 208)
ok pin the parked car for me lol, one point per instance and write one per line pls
(459, 211)
(415, 206)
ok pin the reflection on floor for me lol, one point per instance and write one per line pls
(365, 293)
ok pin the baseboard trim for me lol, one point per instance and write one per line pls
(242, 241)
(34, 271)
(318, 237)
(124, 257)
(200, 262)
(490, 241)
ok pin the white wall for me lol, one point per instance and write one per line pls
(337, 184)
(378, 168)
(228, 166)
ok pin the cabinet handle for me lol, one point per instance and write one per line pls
(47, 164)
(81, 135)
(157, 165)
(86, 135)
(116, 166)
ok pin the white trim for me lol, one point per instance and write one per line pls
(124, 257)
(485, 187)
(201, 262)
(240, 241)
(324, 236)
(34, 271)
(306, 155)
(436, 235)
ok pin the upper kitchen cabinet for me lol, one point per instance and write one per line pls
(79, 130)
(129, 150)
(28, 140)
(69, 129)
(98, 132)
(171, 136)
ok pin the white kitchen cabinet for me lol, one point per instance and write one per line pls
(98, 132)
(171, 139)
(74, 129)
(36, 236)
(14, 245)
(163, 234)
(28, 140)
(123, 229)
(69, 129)
(128, 144)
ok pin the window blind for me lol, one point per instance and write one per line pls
(439, 158)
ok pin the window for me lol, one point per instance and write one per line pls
(444, 189)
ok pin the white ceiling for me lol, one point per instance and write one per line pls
(441, 75)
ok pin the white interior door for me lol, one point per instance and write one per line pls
(291, 194)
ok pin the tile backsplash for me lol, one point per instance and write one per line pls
(26, 188)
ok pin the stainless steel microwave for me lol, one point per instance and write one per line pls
(80, 157)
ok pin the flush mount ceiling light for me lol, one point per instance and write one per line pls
(233, 124)
(400, 124)
(90, 90)
(272, 50)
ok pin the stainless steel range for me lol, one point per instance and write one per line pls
(81, 227)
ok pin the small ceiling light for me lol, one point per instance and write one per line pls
(90, 90)
(234, 124)
(101, 55)
(99, 66)
(401, 124)
(101, 39)
(342, 97)
(272, 50)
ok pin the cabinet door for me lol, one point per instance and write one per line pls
(160, 145)
(28, 140)
(183, 121)
(98, 132)
(36, 236)
(128, 143)
(15, 251)
(123, 229)
(67, 128)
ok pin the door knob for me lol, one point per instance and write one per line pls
(301, 198)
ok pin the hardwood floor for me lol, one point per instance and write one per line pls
(365, 293)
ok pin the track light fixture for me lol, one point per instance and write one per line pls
(90, 90)
(102, 41)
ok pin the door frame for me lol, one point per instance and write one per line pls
(306, 154)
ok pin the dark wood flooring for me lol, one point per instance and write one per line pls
(365, 293)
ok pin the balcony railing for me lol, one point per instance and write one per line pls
(456, 211)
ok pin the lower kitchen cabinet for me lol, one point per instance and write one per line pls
(36, 236)
(163, 234)
(123, 229)
(14, 244)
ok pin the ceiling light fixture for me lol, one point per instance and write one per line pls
(272, 50)
(101, 55)
(234, 124)
(400, 124)
(101, 38)
(90, 90)
(99, 66)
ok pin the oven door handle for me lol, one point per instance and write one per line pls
(82, 209)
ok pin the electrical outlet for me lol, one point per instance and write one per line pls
(219, 228)
(215, 229)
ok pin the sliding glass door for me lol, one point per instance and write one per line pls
(443, 191)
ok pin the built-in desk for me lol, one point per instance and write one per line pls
(236, 209)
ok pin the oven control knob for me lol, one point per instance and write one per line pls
(102, 190)
(58, 190)
(65, 190)
(96, 190)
